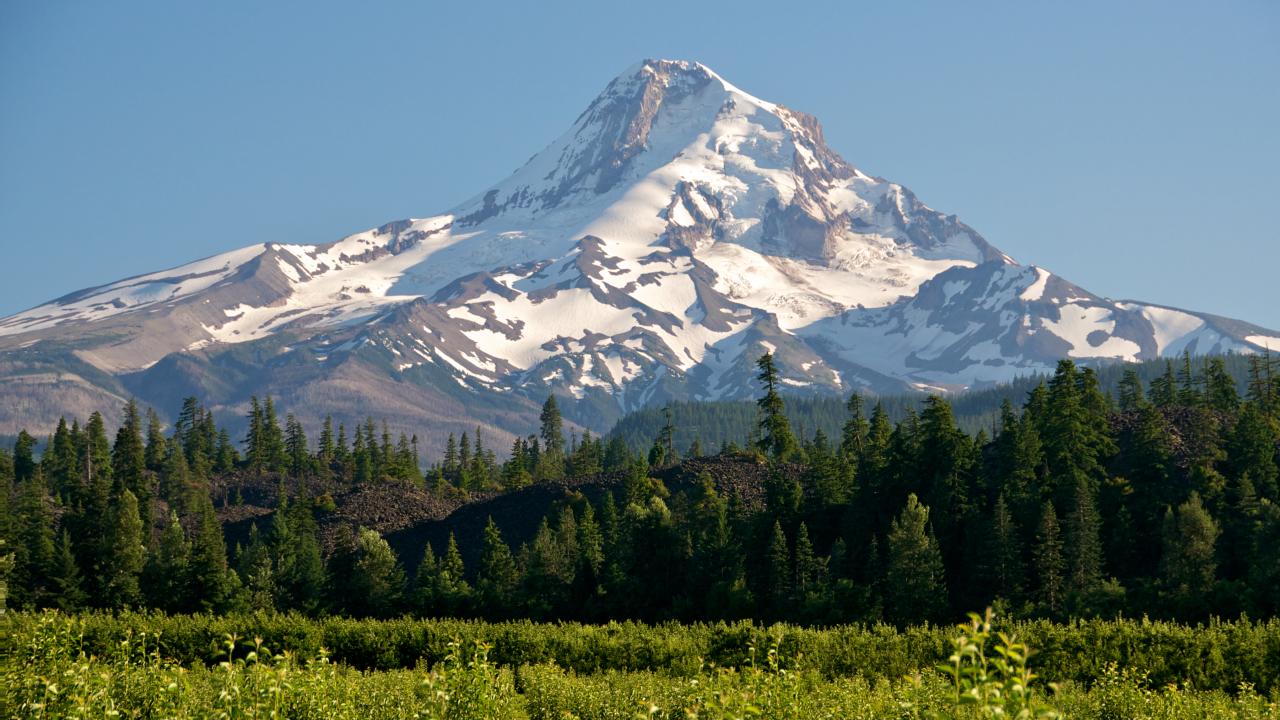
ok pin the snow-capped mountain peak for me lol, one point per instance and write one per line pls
(678, 229)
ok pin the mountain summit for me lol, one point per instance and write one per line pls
(678, 230)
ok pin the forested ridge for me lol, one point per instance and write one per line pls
(1159, 498)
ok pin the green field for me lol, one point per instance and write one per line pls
(157, 666)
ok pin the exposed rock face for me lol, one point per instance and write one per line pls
(678, 230)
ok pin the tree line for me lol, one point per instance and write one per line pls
(1159, 500)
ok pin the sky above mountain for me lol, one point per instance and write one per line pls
(1130, 148)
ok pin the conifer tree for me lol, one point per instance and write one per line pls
(168, 569)
(914, 587)
(225, 456)
(127, 554)
(425, 582)
(810, 570)
(1189, 563)
(34, 547)
(1083, 543)
(1251, 450)
(1018, 463)
(497, 577)
(8, 518)
(590, 554)
(873, 463)
(259, 578)
(776, 439)
(327, 447)
(548, 573)
(97, 450)
(451, 455)
(452, 590)
(464, 455)
(1238, 527)
(209, 584)
(376, 584)
(664, 452)
(1004, 554)
(24, 463)
(1264, 572)
(1075, 431)
(157, 444)
(853, 437)
(273, 452)
(943, 467)
(341, 451)
(1131, 394)
(616, 455)
(552, 432)
(1047, 562)
(65, 582)
(1164, 389)
(1219, 387)
(129, 456)
(255, 440)
(777, 589)
(1188, 394)
(302, 576)
(295, 446)
(61, 465)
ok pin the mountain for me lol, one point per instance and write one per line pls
(678, 230)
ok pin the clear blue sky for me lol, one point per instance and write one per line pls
(1129, 146)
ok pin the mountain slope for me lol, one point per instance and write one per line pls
(678, 230)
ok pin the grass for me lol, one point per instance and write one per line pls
(48, 670)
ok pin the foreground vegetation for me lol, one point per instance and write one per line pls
(97, 666)
(1214, 656)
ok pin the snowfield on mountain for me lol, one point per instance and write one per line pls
(678, 230)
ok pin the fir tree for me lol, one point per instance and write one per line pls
(97, 451)
(168, 568)
(777, 589)
(1188, 564)
(65, 581)
(552, 432)
(24, 463)
(810, 570)
(453, 590)
(302, 577)
(127, 554)
(1164, 389)
(1264, 572)
(157, 445)
(548, 573)
(209, 574)
(61, 465)
(1131, 394)
(295, 446)
(1083, 543)
(34, 547)
(1075, 431)
(776, 438)
(425, 582)
(1047, 563)
(129, 456)
(1251, 449)
(914, 587)
(497, 577)
(1188, 394)
(853, 437)
(1219, 387)
(1004, 553)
